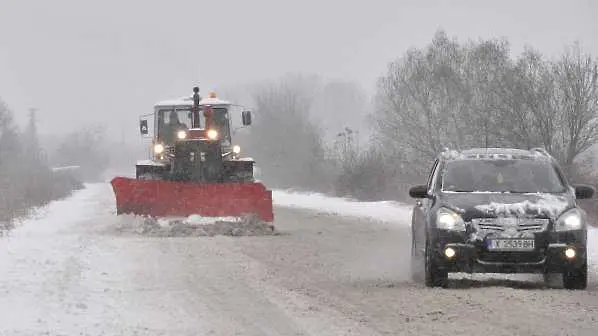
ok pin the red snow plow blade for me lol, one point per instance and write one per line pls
(156, 198)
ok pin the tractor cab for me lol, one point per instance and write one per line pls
(191, 119)
(192, 141)
(194, 166)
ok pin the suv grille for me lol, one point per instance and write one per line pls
(501, 224)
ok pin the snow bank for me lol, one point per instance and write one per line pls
(198, 220)
(593, 249)
(387, 211)
(195, 226)
(59, 214)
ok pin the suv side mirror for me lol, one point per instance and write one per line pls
(420, 191)
(583, 191)
(143, 129)
(246, 118)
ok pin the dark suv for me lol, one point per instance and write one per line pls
(498, 210)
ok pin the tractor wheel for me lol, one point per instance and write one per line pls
(242, 178)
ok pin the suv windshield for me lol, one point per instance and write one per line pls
(517, 176)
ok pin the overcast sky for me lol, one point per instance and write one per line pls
(110, 60)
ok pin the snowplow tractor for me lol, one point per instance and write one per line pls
(193, 169)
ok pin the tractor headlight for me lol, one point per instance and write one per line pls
(181, 134)
(570, 220)
(447, 219)
(212, 134)
(158, 148)
(236, 149)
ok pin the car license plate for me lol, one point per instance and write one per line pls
(511, 244)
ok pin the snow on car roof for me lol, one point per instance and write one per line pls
(188, 101)
(495, 154)
(498, 151)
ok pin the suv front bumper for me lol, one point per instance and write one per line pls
(549, 255)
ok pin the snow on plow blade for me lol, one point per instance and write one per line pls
(156, 198)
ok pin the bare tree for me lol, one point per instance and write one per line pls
(25, 178)
(338, 105)
(475, 95)
(485, 75)
(84, 148)
(577, 103)
(10, 152)
(528, 115)
(421, 100)
(287, 145)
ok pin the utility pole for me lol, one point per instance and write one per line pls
(32, 115)
(33, 140)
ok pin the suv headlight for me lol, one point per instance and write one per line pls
(570, 220)
(447, 219)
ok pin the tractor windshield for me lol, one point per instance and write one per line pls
(171, 120)
(221, 122)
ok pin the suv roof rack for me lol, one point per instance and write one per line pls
(449, 153)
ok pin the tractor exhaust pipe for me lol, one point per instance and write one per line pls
(195, 109)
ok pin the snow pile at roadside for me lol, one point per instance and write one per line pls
(195, 226)
(58, 214)
(387, 211)
(593, 248)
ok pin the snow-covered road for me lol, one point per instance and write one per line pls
(71, 272)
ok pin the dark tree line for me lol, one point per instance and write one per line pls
(26, 179)
(87, 148)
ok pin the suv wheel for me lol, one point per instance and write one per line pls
(553, 279)
(576, 278)
(434, 276)
(416, 267)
